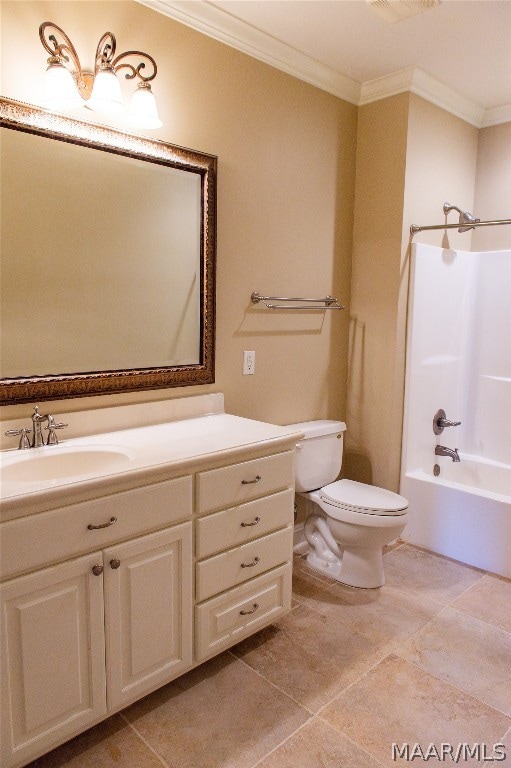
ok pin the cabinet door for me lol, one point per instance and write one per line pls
(148, 609)
(52, 659)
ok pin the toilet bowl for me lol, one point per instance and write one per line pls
(351, 522)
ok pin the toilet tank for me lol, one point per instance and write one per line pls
(318, 454)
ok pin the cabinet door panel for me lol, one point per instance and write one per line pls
(53, 680)
(148, 595)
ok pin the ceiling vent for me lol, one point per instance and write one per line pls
(398, 10)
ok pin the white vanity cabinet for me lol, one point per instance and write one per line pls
(107, 598)
(85, 637)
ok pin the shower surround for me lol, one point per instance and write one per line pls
(459, 359)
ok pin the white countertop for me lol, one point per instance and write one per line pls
(146, 454)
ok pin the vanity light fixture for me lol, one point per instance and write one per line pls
(68, 86)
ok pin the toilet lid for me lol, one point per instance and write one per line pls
(362, 498)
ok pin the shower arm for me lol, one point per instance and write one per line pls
(417, 228)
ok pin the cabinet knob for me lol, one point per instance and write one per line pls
(115, 563)
(97, 570)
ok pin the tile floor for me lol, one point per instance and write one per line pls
(426, 658)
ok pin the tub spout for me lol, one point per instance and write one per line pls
(441, 450)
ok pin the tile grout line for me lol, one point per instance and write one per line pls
(391, 643)
(270, 682)
(358, 746)
(477, 618)
(282, 742)
(379, 658)
(350, 685)
(301, 727)
(393, 651)
(394, 648)
(144, 741)
(456, 688)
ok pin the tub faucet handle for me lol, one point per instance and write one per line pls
(440, 422)
(447, 423)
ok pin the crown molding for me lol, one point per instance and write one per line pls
(416, 81)
(222, 26)
(497, 115)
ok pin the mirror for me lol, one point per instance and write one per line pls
(108, 259)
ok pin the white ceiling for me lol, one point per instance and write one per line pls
(457, 54)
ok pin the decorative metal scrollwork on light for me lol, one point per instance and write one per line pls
(69, 85)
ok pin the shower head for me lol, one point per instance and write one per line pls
(465, 217)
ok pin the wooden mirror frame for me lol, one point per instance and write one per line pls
(31, 119)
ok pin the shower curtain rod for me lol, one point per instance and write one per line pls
(416, 228)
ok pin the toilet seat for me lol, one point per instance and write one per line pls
(361, 499)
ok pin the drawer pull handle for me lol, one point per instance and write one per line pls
(253, 610)
(104, 525)
(250, 565)
(97, 570)
(249, 525)
(115, 563)
(250, 482)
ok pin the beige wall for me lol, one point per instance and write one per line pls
(285, 197)
(493, 187)
(411, 158)
(380, 176)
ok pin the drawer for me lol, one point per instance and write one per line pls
(49, 537)
(230, 568)
(231, 527)
(224, 620)
(229, 486)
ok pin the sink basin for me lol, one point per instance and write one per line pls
(62, 462)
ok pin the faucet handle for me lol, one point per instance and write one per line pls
(448, 423)
(24, 433)
(52, 427)
(440, 422)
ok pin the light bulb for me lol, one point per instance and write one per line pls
(143, 112)
(60, 90)
(106, 92)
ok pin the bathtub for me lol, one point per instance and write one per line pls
(464, 513)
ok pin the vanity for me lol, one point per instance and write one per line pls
(132, 555)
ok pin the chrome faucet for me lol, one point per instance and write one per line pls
(34, 438)
(37, 435)
(441, 450)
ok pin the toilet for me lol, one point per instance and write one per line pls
(351, 522)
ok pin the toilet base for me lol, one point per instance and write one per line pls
(361, 568)
(332, 570)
